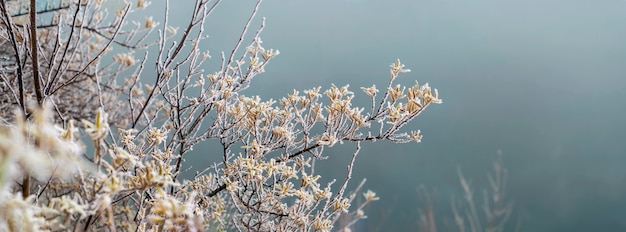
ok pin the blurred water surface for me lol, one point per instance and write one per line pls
(541, 80)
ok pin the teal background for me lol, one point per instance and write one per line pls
(540, 80)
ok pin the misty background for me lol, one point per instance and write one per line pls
(542, 81)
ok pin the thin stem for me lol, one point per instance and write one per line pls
(18, 59)
(34, 49)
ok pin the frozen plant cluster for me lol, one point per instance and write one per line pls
(74, 76)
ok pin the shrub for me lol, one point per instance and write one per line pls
(57, 70)
(490, 213)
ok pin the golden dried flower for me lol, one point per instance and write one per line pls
(304, 196)
(370, 196)
(434, 98)
(394, 113)
(119, 12)
(150, 23)
(142, 4)
(397, 68)
(414, 106)
(199, 82)
(68, 133)
(284, 189)
(269, 54)
(324, 225)
(288, 172)
(255, 149)
(416, 136)
(371, 91)
(327, 140)
(309, 180)
(313, 93)
(254, 61)
(127, 136)
(282, 133)
(125, 59)
(157, 136)
(396, 93)
(360, 214)
(321, 194)
(122, 157)
(231, 186)
(342, 205)
(99, 128)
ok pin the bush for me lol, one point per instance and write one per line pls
(56, 70)
(490, 213)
